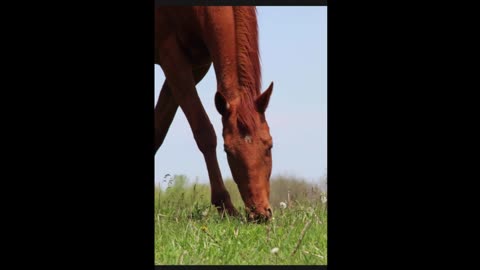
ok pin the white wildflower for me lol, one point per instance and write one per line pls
(283, 205)
(274, 250)
(324, 198)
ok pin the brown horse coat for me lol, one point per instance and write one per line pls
(187, 41)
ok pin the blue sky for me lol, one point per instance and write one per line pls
(293, 48)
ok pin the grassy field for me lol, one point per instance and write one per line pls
(188, 230)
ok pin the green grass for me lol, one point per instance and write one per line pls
(188, 230)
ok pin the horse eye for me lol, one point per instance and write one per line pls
(269, 151)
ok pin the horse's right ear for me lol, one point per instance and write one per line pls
(221, 103)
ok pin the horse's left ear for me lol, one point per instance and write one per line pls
(263, 99)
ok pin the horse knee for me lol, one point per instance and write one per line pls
(207, 147)
(206, 140)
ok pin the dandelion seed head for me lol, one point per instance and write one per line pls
(283, 205)
(324, 198)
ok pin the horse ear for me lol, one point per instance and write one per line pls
(263, 99)
(221, 103)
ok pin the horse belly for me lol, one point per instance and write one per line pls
(184, 23)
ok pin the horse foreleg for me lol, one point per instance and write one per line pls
(178, 71)
(167, 107)
(164, 114)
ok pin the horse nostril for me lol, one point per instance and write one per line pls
(269, 210)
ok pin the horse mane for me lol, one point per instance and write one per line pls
(248, 65)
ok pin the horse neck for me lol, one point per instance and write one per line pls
(239, 74)
(248, 58)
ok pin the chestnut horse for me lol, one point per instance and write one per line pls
(187, 41)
